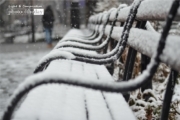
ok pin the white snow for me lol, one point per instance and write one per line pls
(149, 27)
(57, 53)
(79, 51)
(115, 100)
(78, 34)
(148, 10)
(74, 78)
(97, 109)
(146, 42)
(72, 102)
(71, 43)
(14, 68)
(81, 39)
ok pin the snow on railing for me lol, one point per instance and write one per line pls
(146, 42)
(148, 10)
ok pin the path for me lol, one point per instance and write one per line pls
(17, 61)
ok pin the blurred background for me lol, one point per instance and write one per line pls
(22, 44)
(23, 28)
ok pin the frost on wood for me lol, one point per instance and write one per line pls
(73, 100)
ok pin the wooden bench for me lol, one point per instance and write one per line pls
(74, 103)
(70, 65)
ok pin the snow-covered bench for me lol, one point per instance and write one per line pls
(93, 99)
(66, 102)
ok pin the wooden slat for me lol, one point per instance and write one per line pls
(51, 107)
(118, 106)
(74, 106)
(97, 109)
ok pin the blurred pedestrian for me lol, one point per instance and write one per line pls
(47, 20)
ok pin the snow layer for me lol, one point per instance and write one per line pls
(149, 27)
(73, 103)
(81, 39)
(53, 75)
(79, 51)
(146, 42)
(57, 53)
(148, 10)
(114, 99)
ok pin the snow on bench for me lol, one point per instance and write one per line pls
(74, 103)
(71, 99)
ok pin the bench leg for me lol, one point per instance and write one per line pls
(144, 62)
(129, 68)
(131, 60)
(168, 95)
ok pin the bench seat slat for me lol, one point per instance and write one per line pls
(119, 108)
(100, 70)
(74, 105)
(97, 108)
(89, 71)
(30, 109)
(78, 68)
(49, 110)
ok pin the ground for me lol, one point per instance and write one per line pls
(17, 61)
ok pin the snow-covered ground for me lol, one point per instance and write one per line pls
(17, 61)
